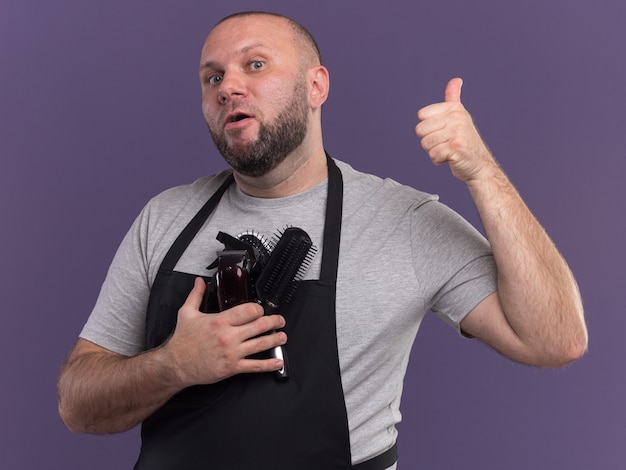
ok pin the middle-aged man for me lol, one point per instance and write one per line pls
(386, 255)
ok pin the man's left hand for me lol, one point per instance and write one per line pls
(448, 134)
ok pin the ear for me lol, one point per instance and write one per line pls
(319, 81)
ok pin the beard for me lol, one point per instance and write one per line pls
(276, 140)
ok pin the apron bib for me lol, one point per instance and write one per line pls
(252, 421)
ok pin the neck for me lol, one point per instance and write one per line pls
(299, 172)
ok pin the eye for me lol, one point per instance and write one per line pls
(214, 79)
(256, 65)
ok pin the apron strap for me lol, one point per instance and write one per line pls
(180, 245)
(328, 273)
(380, 462)
(332, 224)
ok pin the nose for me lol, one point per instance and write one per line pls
(231, 87)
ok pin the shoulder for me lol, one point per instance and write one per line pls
(363, 188)
(163, 216)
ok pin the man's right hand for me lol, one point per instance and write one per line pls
(207, 348)
(101, 391)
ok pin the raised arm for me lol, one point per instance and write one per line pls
(536, 316)
(100, 391)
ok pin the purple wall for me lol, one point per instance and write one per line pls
(99, 110)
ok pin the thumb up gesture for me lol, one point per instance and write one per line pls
(448, 134)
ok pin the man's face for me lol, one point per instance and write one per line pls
(254, 93)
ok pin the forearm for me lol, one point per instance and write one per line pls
(103, 392)
(536, 288)
(536, 316)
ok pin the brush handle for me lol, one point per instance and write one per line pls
(276, 283)
(232, 281)
(279, 352)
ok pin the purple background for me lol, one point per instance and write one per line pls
(100, 110)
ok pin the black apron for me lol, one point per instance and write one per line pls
(253, 421)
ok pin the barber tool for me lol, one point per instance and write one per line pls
(252, 269)
(275, 286)
(236, 266)
(231, 279)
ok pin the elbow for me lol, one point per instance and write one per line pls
(577, 348)
(68, 406)
(570, 340)
(578, 343)
(566, 356)
(70, 418)
(556, 347)
(568, 351)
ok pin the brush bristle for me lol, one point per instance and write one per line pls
(289, 261)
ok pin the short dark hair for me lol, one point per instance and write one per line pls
(301, 32)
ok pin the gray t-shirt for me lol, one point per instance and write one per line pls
(402, 254)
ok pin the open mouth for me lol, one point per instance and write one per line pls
(232, 120)
(238, 117)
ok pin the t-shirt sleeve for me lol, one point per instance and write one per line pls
(117, 321)
(459, 262)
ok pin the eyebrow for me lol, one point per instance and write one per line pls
(211, 63)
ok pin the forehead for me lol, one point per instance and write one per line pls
(240, 34)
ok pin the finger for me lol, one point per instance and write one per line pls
(260, 326)
(453, 90)
(194, 299)
(440, 154)
(260, 365)
(431, 110)
(428, 126)
(243, 313)
(263, 343)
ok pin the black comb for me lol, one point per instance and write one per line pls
(275, 286)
